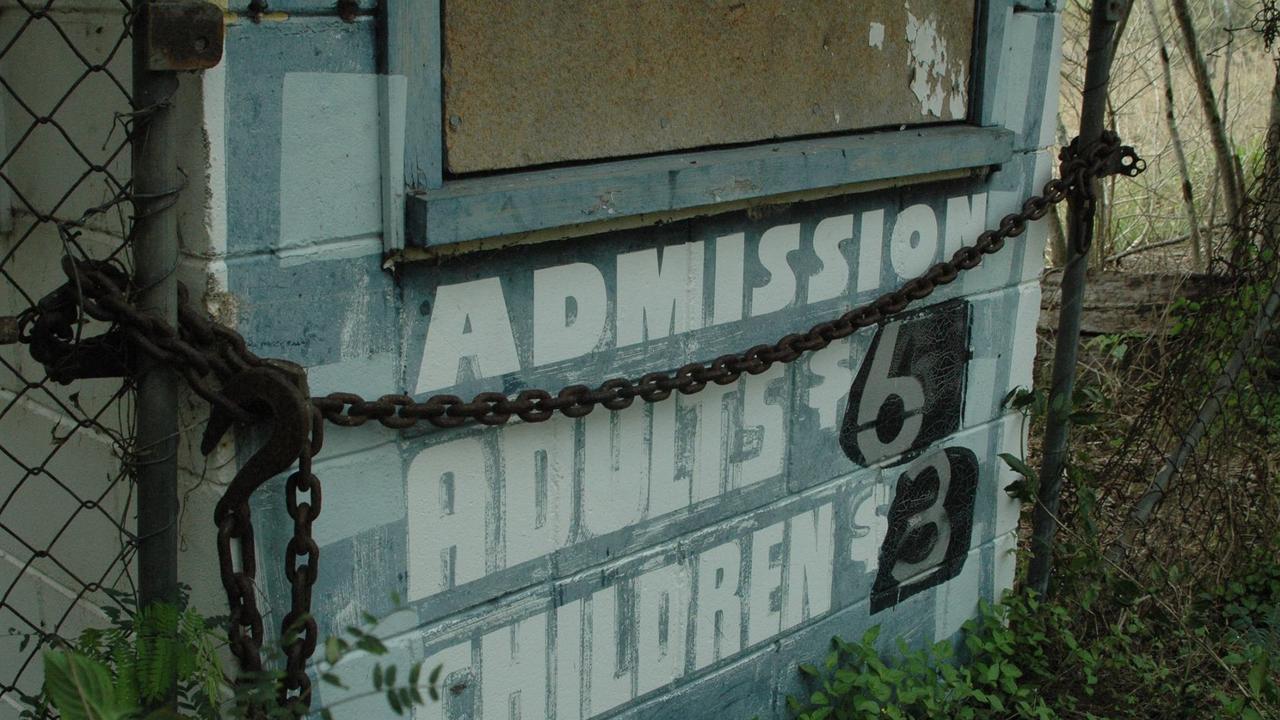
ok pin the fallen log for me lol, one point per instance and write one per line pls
(1120, 302)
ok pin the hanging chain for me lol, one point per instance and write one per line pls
(242, 387)
(301, 631)
(1077, 173)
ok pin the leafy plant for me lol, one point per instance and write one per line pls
(128, 669)
(986, 681)
(134, 663)
(1107, 646)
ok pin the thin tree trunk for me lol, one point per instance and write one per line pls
(1228, 22)
(1217, 132)
(1057, 236)
(1247, 345)
(1123, 22)
(1188, 200)
(1272, 165)
(1268, 192)
(1104, 240)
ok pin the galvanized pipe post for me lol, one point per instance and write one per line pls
(1104, 16)
(156, 181)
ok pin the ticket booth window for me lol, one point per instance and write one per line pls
(530, 83)
(531, 116)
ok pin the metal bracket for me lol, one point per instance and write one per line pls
(101, 356)
(180, 34)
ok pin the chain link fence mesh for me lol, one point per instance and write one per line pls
(66, 549)
(1184, 490)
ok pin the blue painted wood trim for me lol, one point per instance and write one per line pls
(984, 62)
(472, 209)
(414, 50)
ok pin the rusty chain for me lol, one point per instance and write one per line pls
(218, 365)
(535, 405)
(302, 633)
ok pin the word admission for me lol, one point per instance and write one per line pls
(580, 308)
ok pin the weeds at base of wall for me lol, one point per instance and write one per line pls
(1189, 627)
(126, 670)
(1110, 647)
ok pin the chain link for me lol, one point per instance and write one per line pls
(242, 387)
(1077, 174)
(303, 500)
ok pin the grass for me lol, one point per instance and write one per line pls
(1149, 208)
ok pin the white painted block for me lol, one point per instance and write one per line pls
(330, 158)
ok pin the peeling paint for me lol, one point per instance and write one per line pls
(604, 204)
(956, 103)
(932, 78)
(354, 334)
(876, 36)
(736, 187)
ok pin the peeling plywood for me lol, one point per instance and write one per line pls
(529, 83)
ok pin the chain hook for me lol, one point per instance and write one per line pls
(269, 390)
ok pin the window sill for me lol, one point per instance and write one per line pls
(528, 202)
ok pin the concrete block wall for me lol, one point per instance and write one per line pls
(685, 554)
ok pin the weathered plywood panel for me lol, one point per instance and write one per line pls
(529, 82)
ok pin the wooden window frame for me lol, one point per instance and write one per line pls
(580, 199)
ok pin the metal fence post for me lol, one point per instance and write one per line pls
(1103, 18)
(155, 231)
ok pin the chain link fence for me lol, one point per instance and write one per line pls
(1185, 495)
(66, 491)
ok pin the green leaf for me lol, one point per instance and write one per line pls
(1019, 466)
(80, 688)
(1019, 398)
(394, 702)
(1084, 418)
(869, 637)
(332, 651)
(371, 645)
(1257, 676)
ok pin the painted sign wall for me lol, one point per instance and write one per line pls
(683, 554)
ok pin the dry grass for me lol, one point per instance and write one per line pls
(1149, 208)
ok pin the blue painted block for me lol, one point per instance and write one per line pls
(258, 58)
